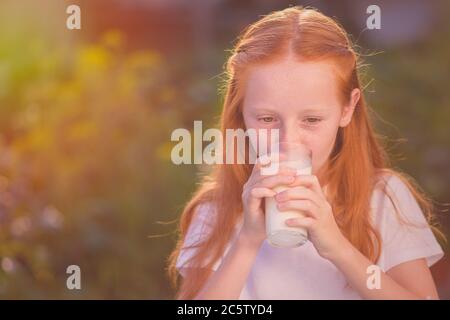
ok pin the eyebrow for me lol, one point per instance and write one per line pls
(315, 110)
(308, 110)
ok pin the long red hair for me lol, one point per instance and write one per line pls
(354, 166)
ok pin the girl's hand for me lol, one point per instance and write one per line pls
(306, 195)
(254, 191)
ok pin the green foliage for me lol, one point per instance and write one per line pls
(85, 171)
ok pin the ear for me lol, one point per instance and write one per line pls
(347, 111)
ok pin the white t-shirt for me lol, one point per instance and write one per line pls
(301, 273)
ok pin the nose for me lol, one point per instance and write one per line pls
(290, 132)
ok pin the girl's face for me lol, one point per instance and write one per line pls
(301, 100)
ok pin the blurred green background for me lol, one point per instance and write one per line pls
(86, 117)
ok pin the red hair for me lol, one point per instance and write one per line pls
(354, 166)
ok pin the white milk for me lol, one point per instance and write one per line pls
(278, 233)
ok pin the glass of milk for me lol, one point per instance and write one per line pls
(279, 234)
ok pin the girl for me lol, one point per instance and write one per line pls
(295, 70)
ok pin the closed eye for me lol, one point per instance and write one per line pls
(313, 120)
(266, 119)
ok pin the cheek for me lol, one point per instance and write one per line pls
(321, 143)
(253, 123)
(260, 136)
(247, 121)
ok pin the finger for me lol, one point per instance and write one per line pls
(282, 170)
(307, 207)
(286, 177)
(260, 192)
(256, 195)
(274, 168)
(255, 175)
(271, 157)
(298, 193)
(302, 222)
(309, 181)
(273, 181)
(264, 162)
(261, 161)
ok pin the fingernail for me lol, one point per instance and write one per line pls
(279, 196)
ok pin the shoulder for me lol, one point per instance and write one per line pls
(205, 213)
(402, 225)
(392, 186)
(390, 182)
(201, 224)
(392, 196)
